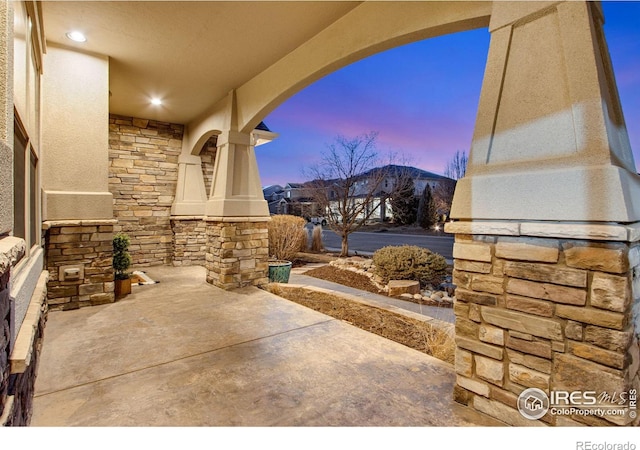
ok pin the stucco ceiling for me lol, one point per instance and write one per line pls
(190, 54)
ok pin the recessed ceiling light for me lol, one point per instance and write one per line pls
(76, 36)
(156, 101)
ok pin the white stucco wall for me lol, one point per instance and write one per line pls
(75, 136)
(6, 117)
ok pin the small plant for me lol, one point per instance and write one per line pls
(287, 237)
(408, 262)
(121, 257)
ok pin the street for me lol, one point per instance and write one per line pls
(367, 243)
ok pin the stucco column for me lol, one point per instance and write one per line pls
(547, 236)
(191, 195)
(550, 141)
(75, 136)
(236, 190)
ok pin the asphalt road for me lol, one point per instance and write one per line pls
(366, 243)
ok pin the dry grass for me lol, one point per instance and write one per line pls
(316, 239)
(405, 330)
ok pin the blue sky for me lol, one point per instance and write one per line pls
(422, 99)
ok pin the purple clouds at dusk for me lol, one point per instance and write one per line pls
(422, 99)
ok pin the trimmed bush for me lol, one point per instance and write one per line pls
(408, 262)
(121, 257)
(287, 236)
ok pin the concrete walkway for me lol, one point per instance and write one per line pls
(298, 277)
(184, 353)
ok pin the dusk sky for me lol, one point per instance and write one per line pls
(422, 99)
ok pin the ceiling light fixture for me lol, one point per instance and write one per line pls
(76, 36)
(156, 101)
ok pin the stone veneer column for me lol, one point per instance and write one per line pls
(86, 245)
(236, 216)
(546, 271)
(237, 252)
(545, 306)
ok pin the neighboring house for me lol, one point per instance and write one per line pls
(274, 195)
(294, 191)
(421, 178)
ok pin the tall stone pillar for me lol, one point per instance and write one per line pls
(236, 215)
(547, 251)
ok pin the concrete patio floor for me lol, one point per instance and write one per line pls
(184, 353)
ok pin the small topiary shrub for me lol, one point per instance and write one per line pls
(121, 256)
(287, 236)
(408, 262)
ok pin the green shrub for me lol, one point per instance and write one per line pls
(408, 262)
(121, 257)
(287, 236)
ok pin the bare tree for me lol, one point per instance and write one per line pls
(345, 184)
(457, 166)
(443, 193)
(443, 196)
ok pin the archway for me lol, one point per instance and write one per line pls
(546, 290)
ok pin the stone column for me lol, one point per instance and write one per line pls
(236, 215)
(546, 258)
(80, 263)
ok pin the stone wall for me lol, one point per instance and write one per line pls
(189, 241)
(208, 157)
(143, 173)
(553, 314)
(5, 335)
(237, 253)
(25, 359)
(86, 246)
(19, 351)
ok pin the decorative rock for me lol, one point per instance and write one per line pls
(407, 296)
(417, 296)
(399, 287)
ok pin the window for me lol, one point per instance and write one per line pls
(25, 187)
(19, 176)
(27, 53)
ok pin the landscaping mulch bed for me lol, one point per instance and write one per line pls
(405, 330)
(344, 277)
